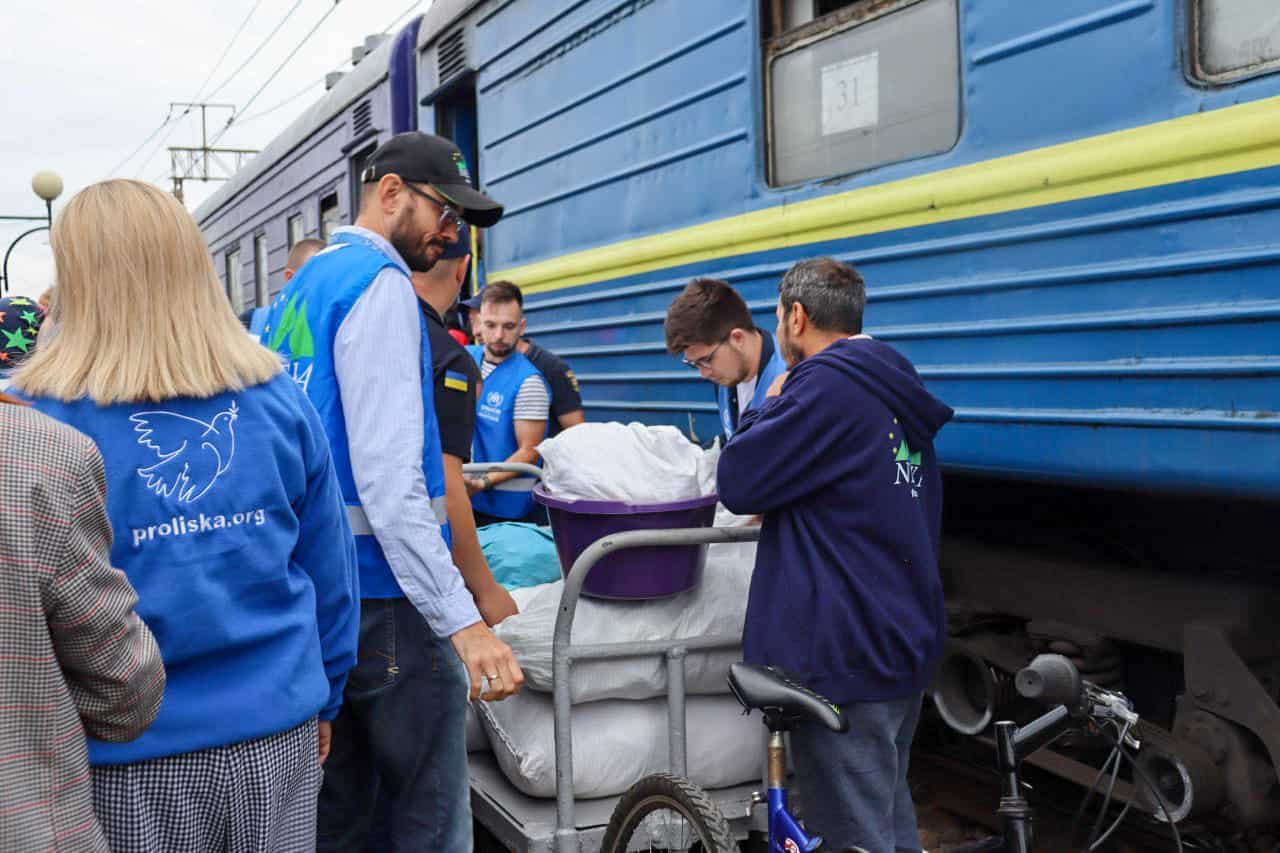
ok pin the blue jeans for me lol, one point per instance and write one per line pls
(853, 786)
(397, 778)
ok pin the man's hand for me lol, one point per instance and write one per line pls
(325, 729)
(485, 656)
(495, 604)
(474, 485)
(776, 387)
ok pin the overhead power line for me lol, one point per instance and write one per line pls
(389, 27)
(258, 49)
(143, 144)
(280, 67)
(226, 50)
(241, 122)
(169, 117)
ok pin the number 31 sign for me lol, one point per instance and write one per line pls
(851, 94)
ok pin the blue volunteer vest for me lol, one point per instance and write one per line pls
(495, 438)
(301, 326)
(772, 369)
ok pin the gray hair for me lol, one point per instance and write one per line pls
(832, 294)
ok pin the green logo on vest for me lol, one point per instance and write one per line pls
(294, 327)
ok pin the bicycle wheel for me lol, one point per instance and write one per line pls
(665, 812)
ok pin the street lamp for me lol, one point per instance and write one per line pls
(48, 186)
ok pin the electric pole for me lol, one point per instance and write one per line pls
(205, 163)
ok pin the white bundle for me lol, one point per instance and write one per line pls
(716, 607)
(617, 743)
(634, 463)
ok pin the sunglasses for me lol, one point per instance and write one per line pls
(448, 215)
(704, 361)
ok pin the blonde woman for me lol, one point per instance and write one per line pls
(228, 521)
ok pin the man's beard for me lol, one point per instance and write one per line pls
(790, 354)
(418, 257)
(500, 351)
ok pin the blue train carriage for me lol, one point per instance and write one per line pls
(1066, 216)
(305, 183)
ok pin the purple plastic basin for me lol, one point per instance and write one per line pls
(632, 573)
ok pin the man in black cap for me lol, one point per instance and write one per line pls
(457, 380)
(356, 341)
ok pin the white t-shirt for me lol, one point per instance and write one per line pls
(747, 392)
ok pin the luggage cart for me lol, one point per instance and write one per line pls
(524, 824)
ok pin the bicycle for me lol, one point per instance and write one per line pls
(1054, 680)
(1049, 679)
(783, 704)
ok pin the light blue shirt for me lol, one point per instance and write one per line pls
(377, 359)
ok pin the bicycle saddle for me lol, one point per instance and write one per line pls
(781, 699)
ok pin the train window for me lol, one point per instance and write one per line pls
(1234, 39)
(358, 161)
(260, 290)
(866, 83)
(330, 219)
(296, 229)
(235, 290)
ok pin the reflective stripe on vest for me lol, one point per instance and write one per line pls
(359, 521)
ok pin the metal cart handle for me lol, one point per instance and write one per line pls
(563, 653)
(503, 467)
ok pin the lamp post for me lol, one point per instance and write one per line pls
(48, 186)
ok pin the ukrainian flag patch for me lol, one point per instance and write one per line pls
(455, 381)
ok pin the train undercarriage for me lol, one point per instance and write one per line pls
(1169, 599)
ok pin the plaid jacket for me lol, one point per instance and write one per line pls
(73, 654)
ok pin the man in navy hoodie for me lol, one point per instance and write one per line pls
(846, 594)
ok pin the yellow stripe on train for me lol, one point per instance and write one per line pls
(1203, 145)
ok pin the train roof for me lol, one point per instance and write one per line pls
(439, 16)
(371, 71)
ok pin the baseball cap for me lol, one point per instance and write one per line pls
(423, 158)
(474, 302)
(458, 248)
(20, 320)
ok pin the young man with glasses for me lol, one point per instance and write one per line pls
(709, 325)
(355, 339)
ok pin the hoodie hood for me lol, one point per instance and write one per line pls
(883, 372)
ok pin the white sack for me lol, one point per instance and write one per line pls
(477, 740)
(716, 607)
(617, 743)
(622, 462)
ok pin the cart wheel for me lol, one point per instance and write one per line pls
(664, 812)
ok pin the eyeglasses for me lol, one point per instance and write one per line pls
(448, 215)
(704, 361)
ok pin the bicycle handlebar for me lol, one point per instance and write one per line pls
(1053, 680)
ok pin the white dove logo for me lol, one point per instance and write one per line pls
(193, 454)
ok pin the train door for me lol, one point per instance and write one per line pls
(455, 115)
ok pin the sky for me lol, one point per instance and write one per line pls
(84, 83)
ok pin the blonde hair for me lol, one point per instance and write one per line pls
(140, 313)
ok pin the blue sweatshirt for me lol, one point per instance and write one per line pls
(229, 523)
(846, 593)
